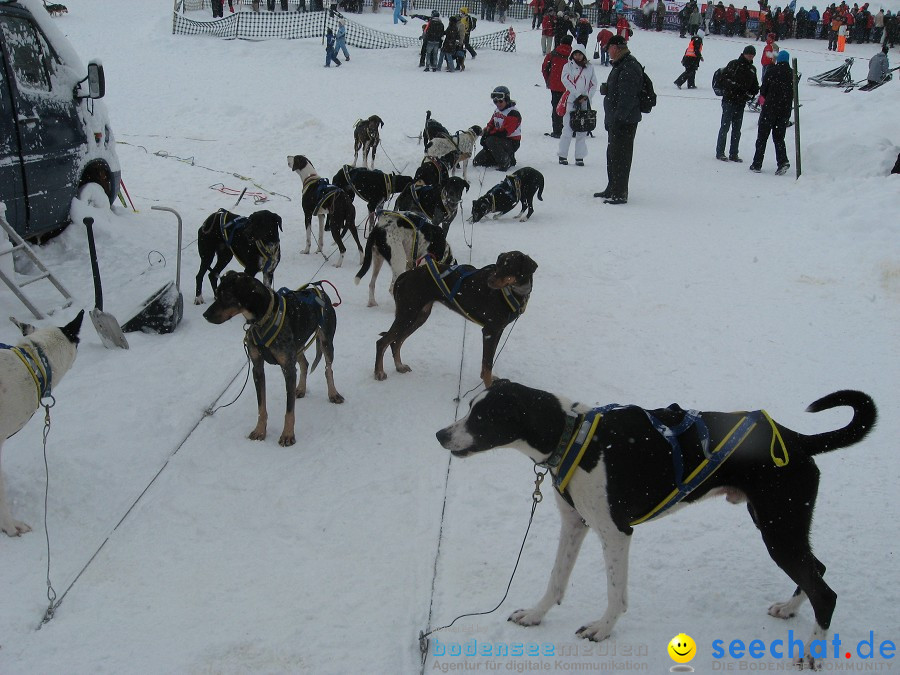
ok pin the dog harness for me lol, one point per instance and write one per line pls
(510, 186)
(229, 227)
(324, 190)
(36, 363)
(442, 168)
(579, 431)
(516, 306)
(388, 181)
(263, 332)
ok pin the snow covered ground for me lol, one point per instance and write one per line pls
(186, 548)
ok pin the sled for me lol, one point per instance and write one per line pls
(836, 77)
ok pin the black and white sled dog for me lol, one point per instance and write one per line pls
(30, 371)
(321, 198)
(518, 187)
(401, 238)
(455, 149)
(627, 475)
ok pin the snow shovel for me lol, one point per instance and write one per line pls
(162, 311)
(104, 323)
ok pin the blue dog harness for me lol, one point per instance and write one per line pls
(580, 430)
(516, 306)
(37, 364)
(229, 227)
(263, 333)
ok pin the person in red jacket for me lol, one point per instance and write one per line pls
(770, 52)
(548, 28)
(502, 134)
(552, 68)
(623, 28)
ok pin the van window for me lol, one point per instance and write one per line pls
(28, 53)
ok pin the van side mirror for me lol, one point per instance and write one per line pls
(96, 80)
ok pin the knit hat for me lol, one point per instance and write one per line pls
(619, 41)
(749, 49)
(783, 57)
(566, 40)
(464, 10)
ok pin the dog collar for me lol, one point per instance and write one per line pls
(565, 440)
(516, 304)
(37, 364)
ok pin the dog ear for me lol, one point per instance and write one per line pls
(379, 120)
(477, 129)
(466, 183)
(26, 328)
(71, 329)
(497, 381)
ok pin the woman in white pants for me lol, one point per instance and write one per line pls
(580, 82)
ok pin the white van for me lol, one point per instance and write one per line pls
(55, 138)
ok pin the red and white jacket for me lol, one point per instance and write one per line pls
(508, 120)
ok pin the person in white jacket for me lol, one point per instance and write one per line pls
(581, 83)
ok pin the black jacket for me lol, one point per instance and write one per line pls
(739, 81)
(778, 91)
(434, 31)
(622, 93)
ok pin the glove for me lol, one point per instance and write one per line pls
(761, 100)
(603, 89)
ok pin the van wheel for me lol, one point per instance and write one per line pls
(94, 194)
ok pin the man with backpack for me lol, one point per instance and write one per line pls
(622, 113)
(739, 84)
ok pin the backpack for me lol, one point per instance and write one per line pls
(717, 85)
(472, 23)
(648, 96)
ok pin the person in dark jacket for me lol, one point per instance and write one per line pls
(434, 34)
(693, 55)
(451, 45)
(552, 69)
(621, 115)
(740, 84)
(777, 93)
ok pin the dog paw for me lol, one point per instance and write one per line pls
(340, 261)
(287, 440)
(305, 251)
(319, 250)
(526, 617)
(372, 303)
(807, 663)
(336, 398)
(596, 632)
(15, 527)
(380, 375)
(257, 435)
(783, 610)
(198, 300)
(403, 368)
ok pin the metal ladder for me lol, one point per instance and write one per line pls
(19, 244)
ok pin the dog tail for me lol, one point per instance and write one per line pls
(864, 416)
(367, 258)
(540, 187)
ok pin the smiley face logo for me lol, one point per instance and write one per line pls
(682, 648)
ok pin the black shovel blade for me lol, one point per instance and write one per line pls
(161, 313)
